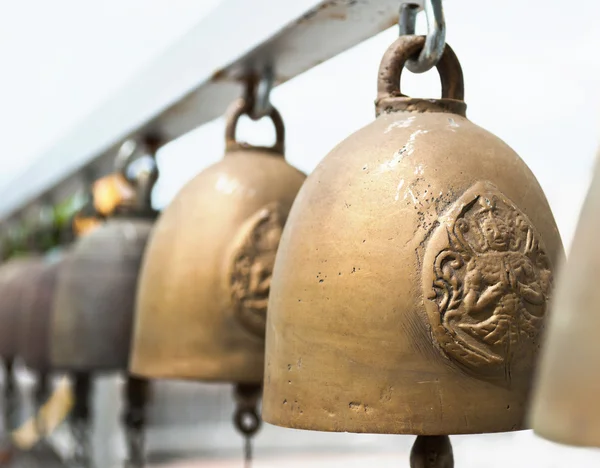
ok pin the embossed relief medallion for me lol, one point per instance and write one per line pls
(252, 266)
(486, 280)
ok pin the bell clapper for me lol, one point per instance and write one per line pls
(80, 420)
(11, 397)
(246, 417)
(40, 396)
(432, 452)
(134, 418)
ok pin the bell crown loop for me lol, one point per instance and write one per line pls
(241, 107)
(143, 182)
(389, 94)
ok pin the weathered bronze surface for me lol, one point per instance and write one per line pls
(15, 275)
(566, 405)
(36, 315)
(95, 296)
(206, 274)
(413, 276)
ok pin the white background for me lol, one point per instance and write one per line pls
(531, 69)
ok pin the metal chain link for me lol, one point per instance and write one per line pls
(435, 41)
(257, 94)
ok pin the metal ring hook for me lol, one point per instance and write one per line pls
(435, 41)
(262, 102)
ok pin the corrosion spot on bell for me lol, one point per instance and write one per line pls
(359, 407)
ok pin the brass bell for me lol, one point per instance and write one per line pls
(37, 306)
(412, 279)
(205, 279)
(565, 407)
(14, 277)
(95, 297)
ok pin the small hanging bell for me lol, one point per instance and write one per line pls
(412, 279)
(37, 306)
(565, 406)
(206, 273)
(14, 277)
(94, 300)
(36, 315)
(14, 282)
(203, 290)
(95, 297)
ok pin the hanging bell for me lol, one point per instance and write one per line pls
(203, 290)
(36, 316)
(206, 274)
(565, 406)
(15, 275)
(94, 300)
(37, 306)
(412, 280)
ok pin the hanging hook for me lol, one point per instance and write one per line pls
(260, 96)
(435, 41)
(143, 182)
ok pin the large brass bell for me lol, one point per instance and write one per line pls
(565, 406)
(206, 274)
(95, 298)
(412, 280)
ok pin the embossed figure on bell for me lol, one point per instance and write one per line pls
(411, 285)
(489, 285)
(252, 267)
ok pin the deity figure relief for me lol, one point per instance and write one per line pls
(252, 267)
(489, 285)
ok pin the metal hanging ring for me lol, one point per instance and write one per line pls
(261, 105)
(132, 150)
(241, 107)
(435, 41)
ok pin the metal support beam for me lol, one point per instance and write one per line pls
(195, 79)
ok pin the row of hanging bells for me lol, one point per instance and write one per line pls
(407, 279)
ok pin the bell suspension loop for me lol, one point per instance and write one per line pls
(80, 421)
(143, 181)
(246, 417)
(133, 419)
(435, 40)
(432, 452)
(255, 104)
